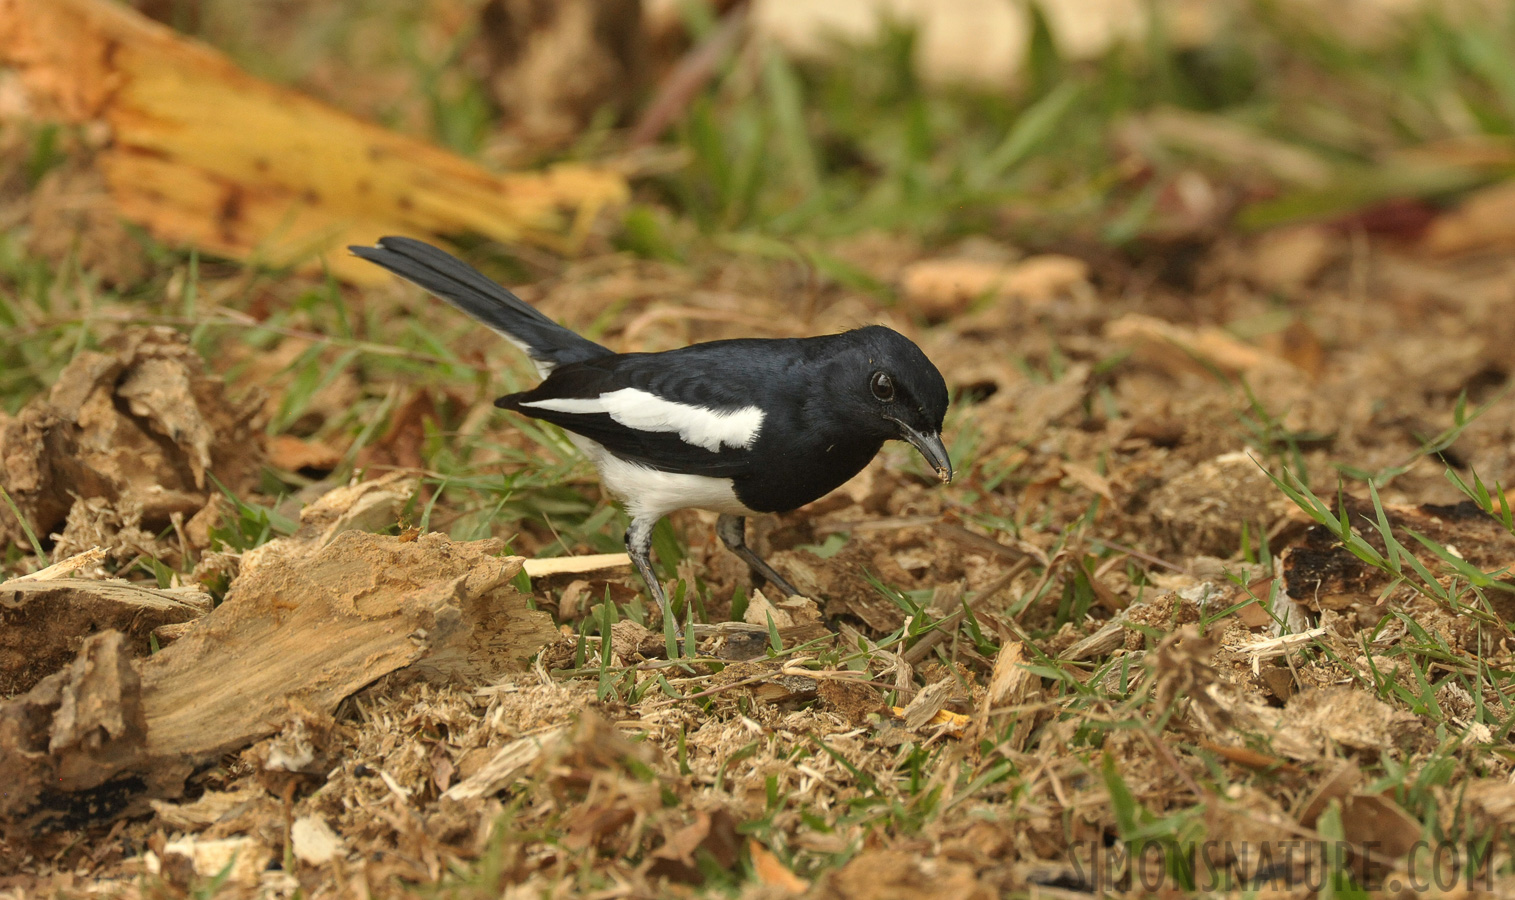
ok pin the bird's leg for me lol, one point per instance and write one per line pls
(733, 532)
(639, 548)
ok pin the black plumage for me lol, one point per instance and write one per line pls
(739, 426)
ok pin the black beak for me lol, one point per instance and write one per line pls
(931, 448)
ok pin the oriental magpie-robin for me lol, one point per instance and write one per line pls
(737, 427)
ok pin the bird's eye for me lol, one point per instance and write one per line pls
(883, 386)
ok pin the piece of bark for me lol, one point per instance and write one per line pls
(240, 860)
(1010, 684)
(300, 630)
(323, 626)
(167, 634)
(43, 624)
(209, 808)
(1319, 573)
(140, 426)
(786, 689)
(70, 746)
(364, 506)
(202, 153)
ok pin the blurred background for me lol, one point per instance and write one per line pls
(1137, 236)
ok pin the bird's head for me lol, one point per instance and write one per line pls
(899, 393)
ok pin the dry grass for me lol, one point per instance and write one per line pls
(1199, 611)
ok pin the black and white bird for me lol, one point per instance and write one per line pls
(737, 427)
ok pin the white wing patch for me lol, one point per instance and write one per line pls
(708, 428)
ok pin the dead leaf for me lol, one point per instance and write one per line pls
(772, 872)
(402, 443)
(207, 809)
(1088, 479)
(955, 724)
(929, 701)
(711, 832)
(293, 454)
(1376, 821)
(1299, 345)
(1179, 349)
(1285, 259)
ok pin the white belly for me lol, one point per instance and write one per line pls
(650, 494)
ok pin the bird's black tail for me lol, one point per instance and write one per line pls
(545, 341)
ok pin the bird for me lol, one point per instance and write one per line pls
(737, 427)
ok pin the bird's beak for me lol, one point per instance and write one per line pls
(931, 447)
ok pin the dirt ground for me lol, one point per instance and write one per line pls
(1119, 630)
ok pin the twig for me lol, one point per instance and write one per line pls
(979, 542)
(948, 625)
(1137, 554)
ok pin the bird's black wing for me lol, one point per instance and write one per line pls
(699, 410)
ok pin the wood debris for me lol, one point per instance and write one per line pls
(301, 621)
(204, 154)
(587, 565)
(125, 439)
(44, 623)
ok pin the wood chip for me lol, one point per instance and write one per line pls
(64, 568)
(505, 766)
(577, 565)
(313, 841)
